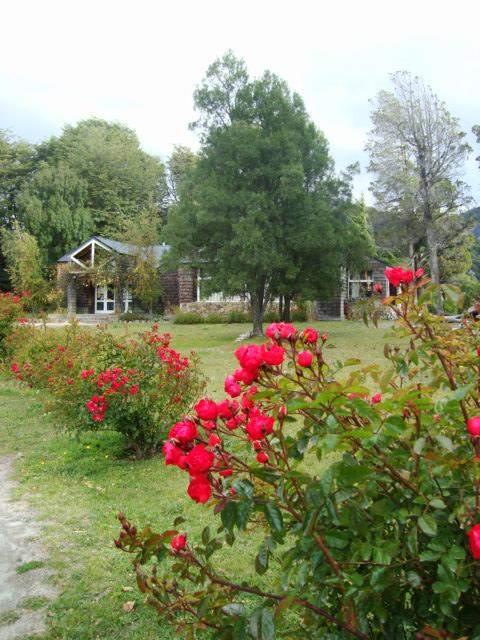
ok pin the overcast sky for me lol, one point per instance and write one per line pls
(138, 62)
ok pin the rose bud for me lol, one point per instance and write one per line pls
(377, 287)
(282, 412)
(324, 337)
(375, 399)
(473, 426)
(478, 352)
(226, 472)
(419, 272)
(474, 539)
(179, 542)
(262, 457)
(305, 359)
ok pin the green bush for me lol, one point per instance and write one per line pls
(235, 317)
(215, 318)
(188, 317)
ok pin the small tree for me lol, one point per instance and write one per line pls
(25, 265)
(143, 272)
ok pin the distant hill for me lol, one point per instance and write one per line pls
(475, 213)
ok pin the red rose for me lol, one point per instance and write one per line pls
(232, 387)
(397, 276)
(225, 473)
(478, 352)
(206, 409)
(474, 539)
(14, 367)
(473, 426)
(305, 358)
(376, 398)
(199, 489)
(310, 335)
(262, 457)
(209, 425)
(273, 331)
(172, 453)
(178, 543)
(287, 330)
(213, 440)
(419, 273)
(273, 354)
(184, 431)
(247, 377)
(133, 389)
(377, 287)
(227, 409)
(250, 357)
(259, 426)
(199, 460)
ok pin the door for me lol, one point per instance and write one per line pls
(105, 299)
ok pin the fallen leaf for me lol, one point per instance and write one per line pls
(129, 606)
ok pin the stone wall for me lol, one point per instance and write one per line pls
(204, 308)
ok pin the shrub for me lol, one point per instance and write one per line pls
(135, 316)
(11, 308)
(235, 317)
(363, 483)
(136, 387)
(188, 317)
(215, 318)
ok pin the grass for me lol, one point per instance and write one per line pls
(78, 486)
(29, 566)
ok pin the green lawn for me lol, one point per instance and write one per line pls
(77, 487)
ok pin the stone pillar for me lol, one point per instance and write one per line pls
(187, 286)
(71, 298)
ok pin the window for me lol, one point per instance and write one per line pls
(360, 285)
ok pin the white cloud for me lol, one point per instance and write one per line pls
(138, 62)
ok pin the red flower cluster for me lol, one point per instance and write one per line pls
(111, 381)
(97, 405)
(397, 275)
(175, 362)
(194, 444)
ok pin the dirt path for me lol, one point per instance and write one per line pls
(25, 585)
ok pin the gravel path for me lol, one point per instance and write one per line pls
(25, 585)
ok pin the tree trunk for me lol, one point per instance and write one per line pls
(280, 307)
(434, 266)
(258, 310)
(286, 309)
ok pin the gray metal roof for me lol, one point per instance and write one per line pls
(118, 247)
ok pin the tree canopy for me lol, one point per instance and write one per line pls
(261, 211)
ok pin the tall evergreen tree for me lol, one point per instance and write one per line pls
(261, 211)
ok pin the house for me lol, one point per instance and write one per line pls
(355, 286)
(76, 276)
(84, 295)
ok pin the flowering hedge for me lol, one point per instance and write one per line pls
(94, 381)
(362, 483)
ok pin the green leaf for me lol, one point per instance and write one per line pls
(261, 559)
(418, 446)
(234, 609)
(444, 442)
(274, 517)
(437, 503)
(428, 525)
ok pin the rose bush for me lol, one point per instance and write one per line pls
(136, 387)
(362, 485)
(11, 308)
